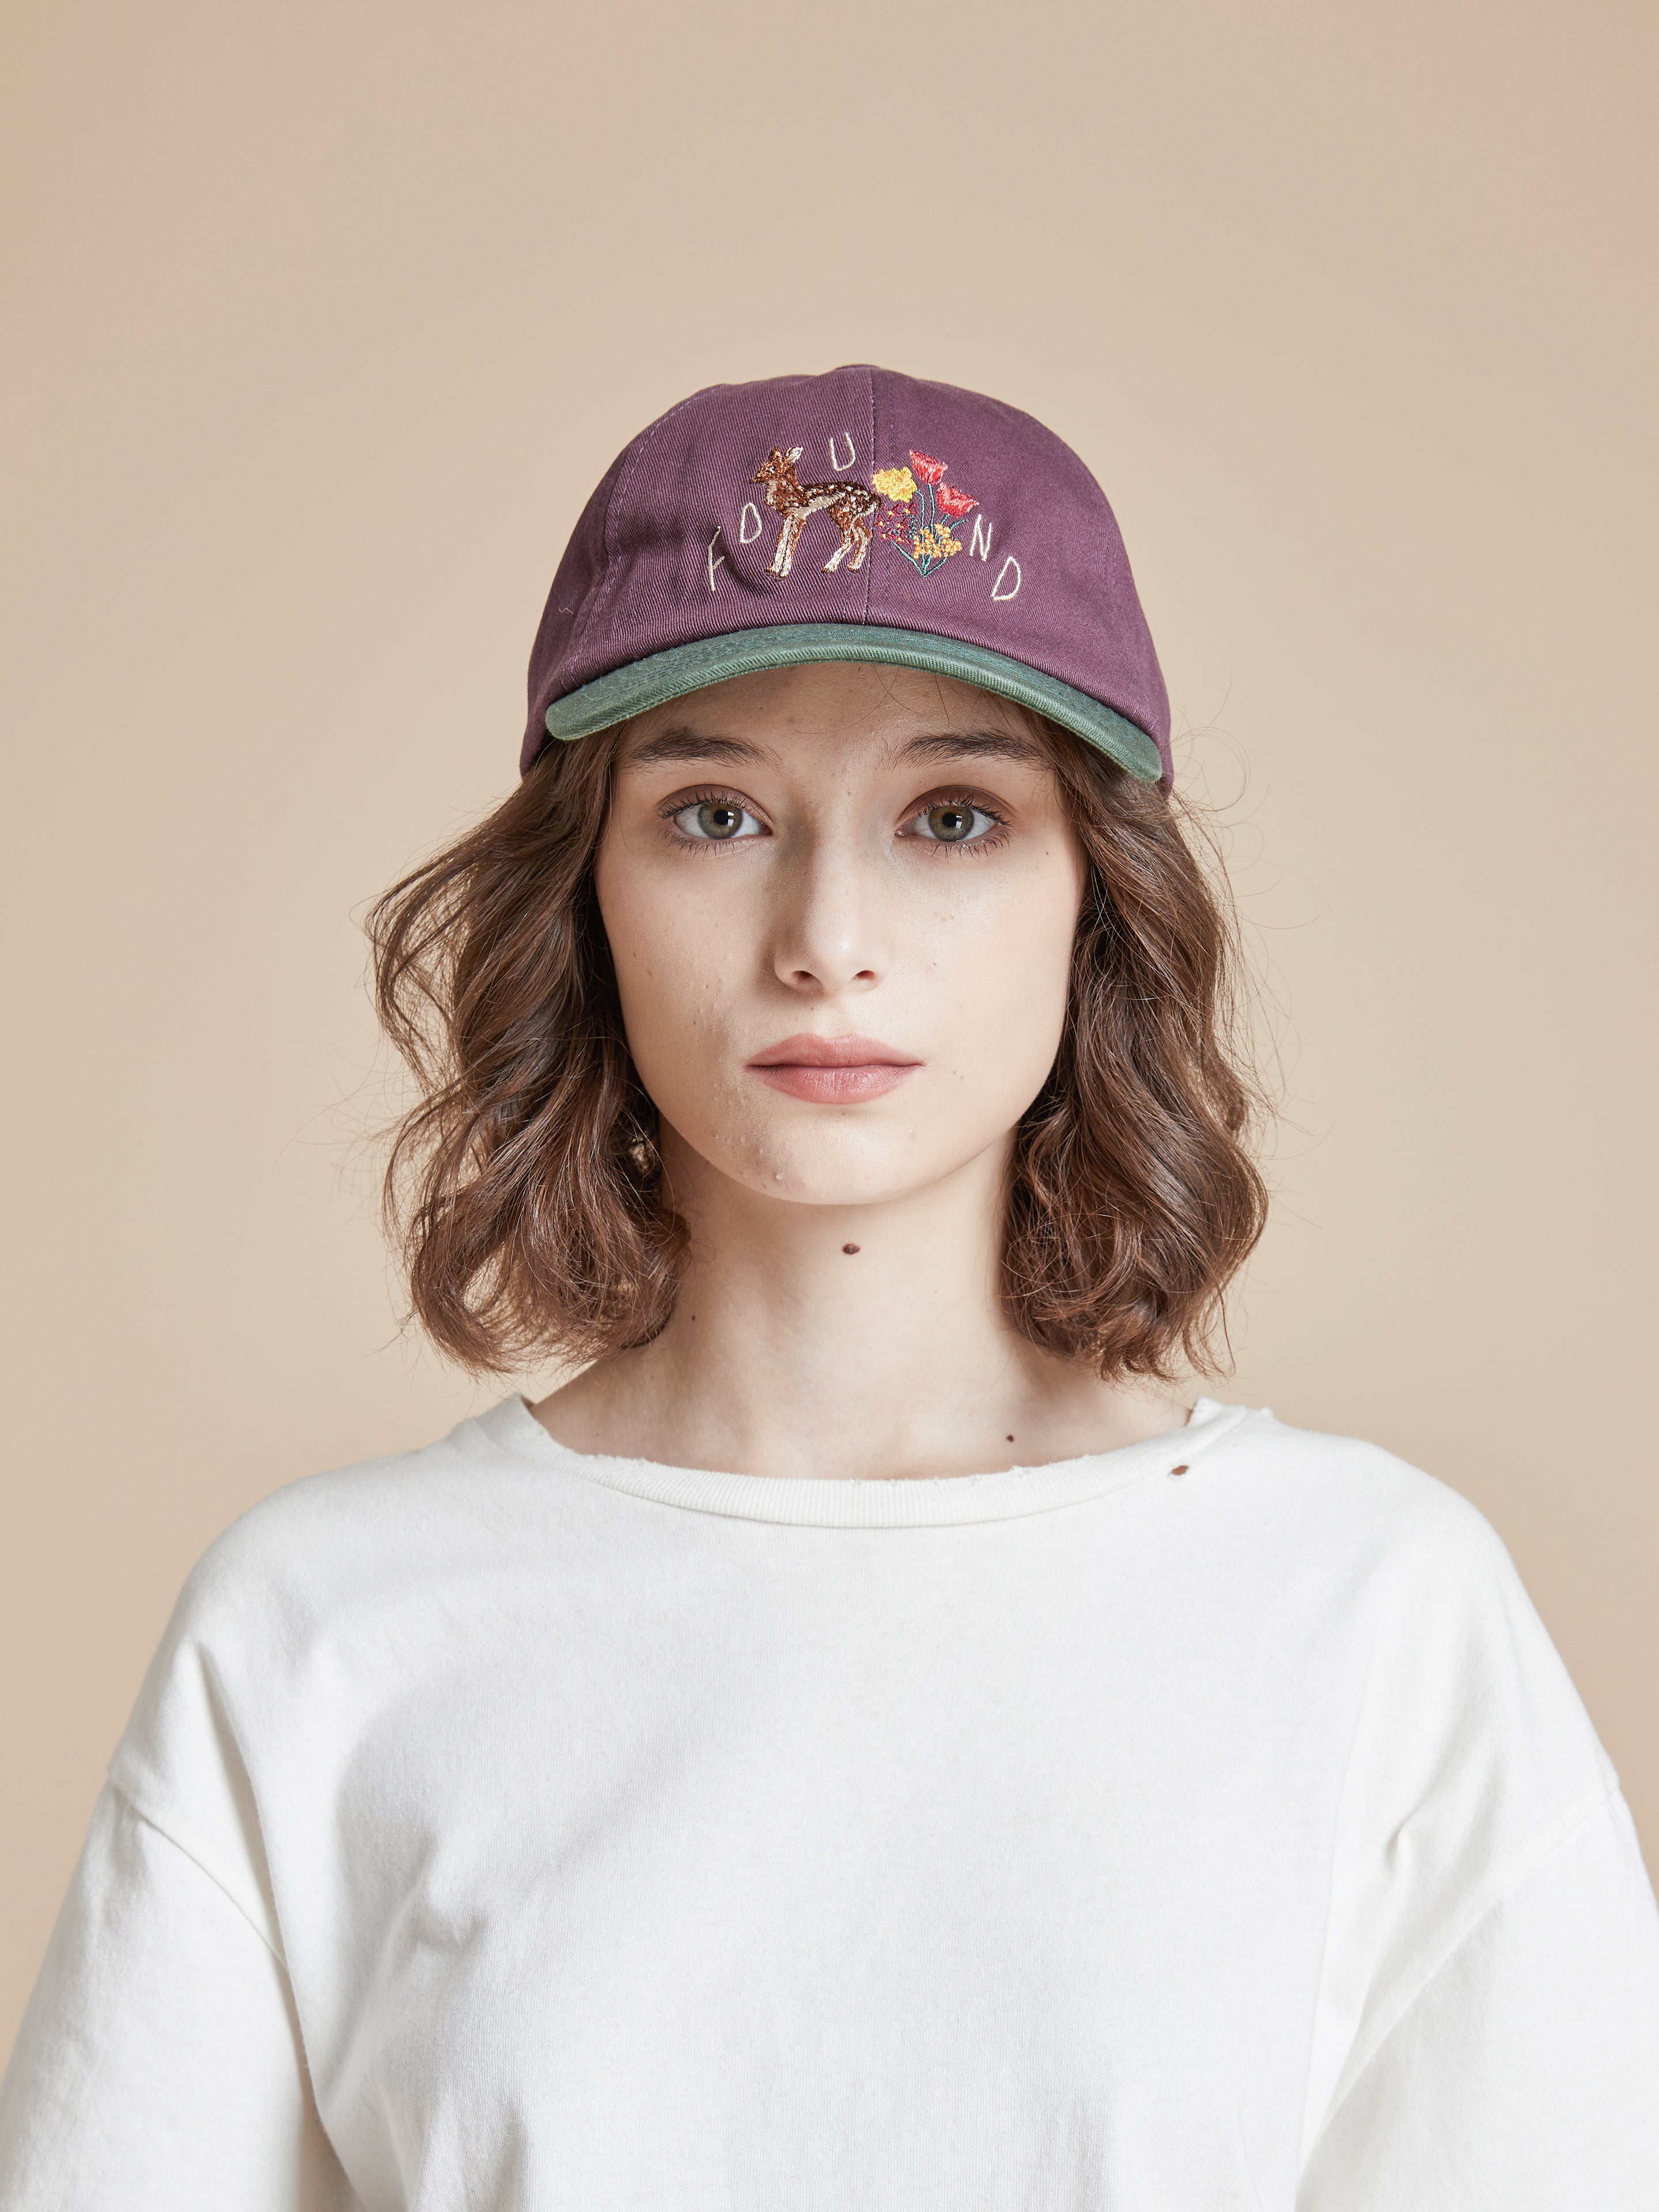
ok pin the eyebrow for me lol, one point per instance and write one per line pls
(975, 744)
(669, 746)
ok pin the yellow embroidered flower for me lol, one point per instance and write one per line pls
(934, 542)
(896, 485)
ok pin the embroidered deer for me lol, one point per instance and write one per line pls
(847, 505)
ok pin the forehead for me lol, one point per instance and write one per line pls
(838, 709)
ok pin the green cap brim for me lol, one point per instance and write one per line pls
(664, 675)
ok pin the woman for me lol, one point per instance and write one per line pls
(864, 1741)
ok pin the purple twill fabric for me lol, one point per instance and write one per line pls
(1011, 547)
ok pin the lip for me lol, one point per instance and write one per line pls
(838, 1071)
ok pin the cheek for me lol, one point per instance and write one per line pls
(672, 954)
(1008, 965)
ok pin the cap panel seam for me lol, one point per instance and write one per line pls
(601, 599)
(541, 698)
(870, 456)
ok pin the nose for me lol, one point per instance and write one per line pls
(830, 926)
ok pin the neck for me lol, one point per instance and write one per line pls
(791, 1353)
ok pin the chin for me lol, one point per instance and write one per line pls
(831, 1164)
(835, 1175)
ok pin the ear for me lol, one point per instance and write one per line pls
(795, 451)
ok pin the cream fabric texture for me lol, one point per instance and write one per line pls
(503, 1828)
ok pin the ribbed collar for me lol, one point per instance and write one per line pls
(810, 1502)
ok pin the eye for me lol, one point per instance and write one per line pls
(715, 821)
(952, 821)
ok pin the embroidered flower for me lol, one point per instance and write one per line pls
(917, 523)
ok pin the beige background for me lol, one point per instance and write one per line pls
(323, 321)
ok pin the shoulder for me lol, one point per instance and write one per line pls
(328, 1582)
(1343, 1494)
(341, 1534)
(1417, 1586)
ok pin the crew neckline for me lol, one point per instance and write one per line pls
(865, 1502)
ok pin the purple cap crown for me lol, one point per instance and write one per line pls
(858, 515)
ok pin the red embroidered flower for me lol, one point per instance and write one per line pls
(954, 502)
(929, 470)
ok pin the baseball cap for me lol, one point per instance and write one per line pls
(856, 515)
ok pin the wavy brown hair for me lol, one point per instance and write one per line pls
(525, 1187)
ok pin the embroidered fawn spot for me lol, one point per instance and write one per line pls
(848, 506)
(921, 507)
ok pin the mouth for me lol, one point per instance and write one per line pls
(840, 1071)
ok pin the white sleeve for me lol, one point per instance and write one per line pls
(1524, 2074)
(159, 2067)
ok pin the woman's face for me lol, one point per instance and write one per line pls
(841, 900)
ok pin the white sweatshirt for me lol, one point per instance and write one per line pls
(1207, 1824)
